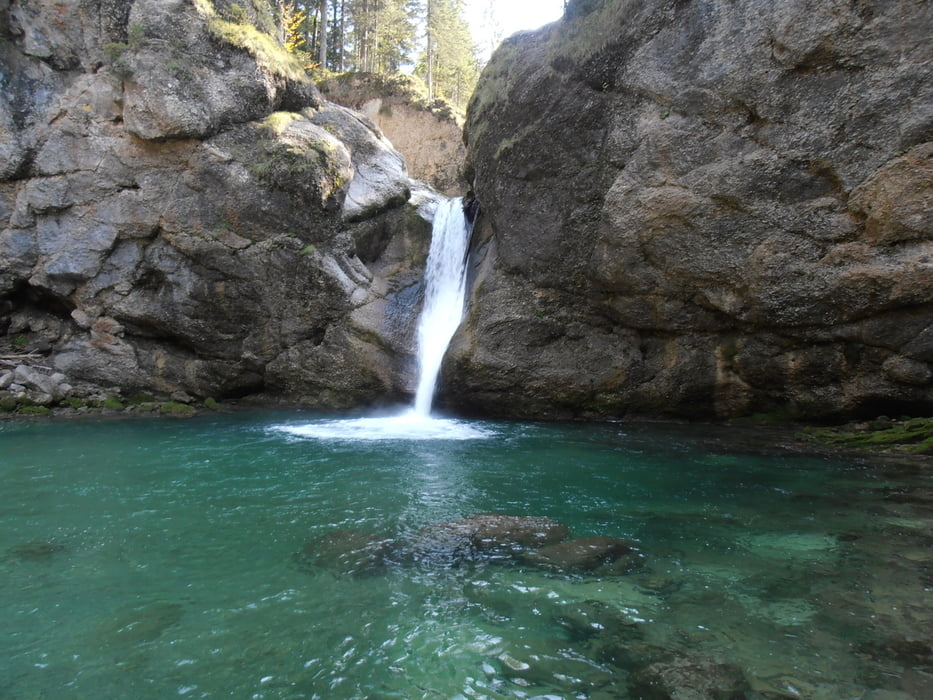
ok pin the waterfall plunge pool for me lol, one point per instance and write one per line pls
(230, 557)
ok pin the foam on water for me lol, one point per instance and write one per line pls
(407, 426)
(445, 280)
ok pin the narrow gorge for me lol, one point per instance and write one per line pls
(693, 209)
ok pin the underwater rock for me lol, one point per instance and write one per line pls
(545, 669)
(141, 623)
(488, 535)
(592, 618)
(688, 678)
(914, 653)
(36, 550)
(494, 531)
(600, 555)
(347, 552)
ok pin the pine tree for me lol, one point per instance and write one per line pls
(449, 65)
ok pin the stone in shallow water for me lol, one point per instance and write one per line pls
(347, 552)
(590, 618)
(138, 624)
(689, 678)
(488, 535)
(549, 668)
(36, 550)
(599, 555)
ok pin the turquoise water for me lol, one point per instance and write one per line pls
(157, 559)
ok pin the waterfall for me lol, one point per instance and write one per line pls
(444, 290)
(442, 311)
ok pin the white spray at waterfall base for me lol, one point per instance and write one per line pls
(441, 314)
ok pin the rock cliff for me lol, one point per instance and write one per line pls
(181, 212)
(428, 133)
(703, 208)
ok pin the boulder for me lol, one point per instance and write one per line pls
(702, 209)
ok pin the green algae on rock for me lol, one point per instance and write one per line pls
(914, 435)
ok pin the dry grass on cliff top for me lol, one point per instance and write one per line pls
(269, 54)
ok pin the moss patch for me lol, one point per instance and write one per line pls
(268, 53)
(34, 410)
(914, 435)
(174, 408)
(112, 403)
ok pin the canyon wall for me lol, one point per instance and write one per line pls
(703, 208)
(181, 212)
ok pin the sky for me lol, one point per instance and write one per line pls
(509, 16)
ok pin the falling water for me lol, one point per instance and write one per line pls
(444, 288)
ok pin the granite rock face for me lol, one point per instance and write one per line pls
(703, 208)
(180, 214)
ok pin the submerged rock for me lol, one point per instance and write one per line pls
(36, 550)
(489, 535)
(689, 678)
(347, 552)
(594, 555)
(138, 624)
(594, 618)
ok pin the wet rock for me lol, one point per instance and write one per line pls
(689, 678)
(597, 555)
(350, 553)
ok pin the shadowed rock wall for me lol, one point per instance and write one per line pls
(704, 208)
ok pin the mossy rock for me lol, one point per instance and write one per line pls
(74, 402)
(112, 403)
(211, 404)
(914, 435)
(8, 404)
(34, 410)
(174, 408)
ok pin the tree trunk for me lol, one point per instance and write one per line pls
(322, 43)
(430, 50)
